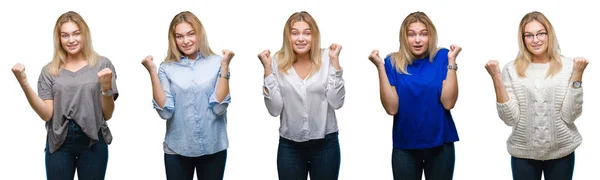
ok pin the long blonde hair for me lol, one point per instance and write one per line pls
(525, 58)
(173, 53)
(404, 57)
(286, 55)
(60, 54)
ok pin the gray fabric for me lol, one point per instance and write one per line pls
(77, 97)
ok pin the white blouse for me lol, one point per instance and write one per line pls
(306, 107)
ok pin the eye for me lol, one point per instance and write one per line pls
(411, 34)
(178, 36)
(424, 34)
(295, 33)
(64, 35)
(77, 33)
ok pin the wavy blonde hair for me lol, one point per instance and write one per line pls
(286, 56)
(173, 52)
(60, 54)
(525, 58)
(404, 57)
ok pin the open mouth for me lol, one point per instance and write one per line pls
(418, 47)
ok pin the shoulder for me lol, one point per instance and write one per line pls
(566, 61)
(442, 52)
(103, 62)
(214, 57)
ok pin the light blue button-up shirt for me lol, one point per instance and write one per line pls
(196, 121)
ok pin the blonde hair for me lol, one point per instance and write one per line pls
(173, 53)
(525, 58)
(60, 54)
(286, 55)
(404, 57)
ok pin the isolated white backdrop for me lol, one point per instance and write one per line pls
(127, 31)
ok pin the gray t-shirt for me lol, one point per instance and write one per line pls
(76, 96)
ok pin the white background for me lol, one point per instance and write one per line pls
(127, 31)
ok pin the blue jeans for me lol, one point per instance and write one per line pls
(320, 158)
(208, 167)
(557, 169)
(75, 153)
(437, 162)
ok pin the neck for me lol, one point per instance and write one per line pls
(74, 58)
(303, 58)
(542, 58)
(192, 56)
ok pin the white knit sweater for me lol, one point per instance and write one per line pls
(541, 111)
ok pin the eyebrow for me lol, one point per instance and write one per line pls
(300, 30)
(71, 32)
(416, 31)
(536, 31)
(176, 33)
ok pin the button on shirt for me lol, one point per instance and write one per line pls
(306, 107)
(196, 121)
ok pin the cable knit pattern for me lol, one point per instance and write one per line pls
(541, 111)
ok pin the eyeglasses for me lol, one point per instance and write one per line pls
(540, 36)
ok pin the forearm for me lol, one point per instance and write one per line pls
(267, 71)
(108, 106)
(387, 94)
(501, 94)
(40, 107)
(223, 84)
(157, 92)
(449, 90)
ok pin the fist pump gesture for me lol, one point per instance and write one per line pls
(375, 58)
(454, 51)
(105, 79)
(148, 63)
(579, 65)
(19, 71)
(227, 56)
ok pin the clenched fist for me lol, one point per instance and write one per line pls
(579, 64)
(265, 58)
(105, 79)
(334, 51)
(19, 71)
(227, 56)
(454, 51)
(493, 68)
(375, 59)
(148, 63)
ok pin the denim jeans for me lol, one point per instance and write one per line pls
(75, 153)
(437, 162)
(320, 158)
(557, 169)
(208, 167)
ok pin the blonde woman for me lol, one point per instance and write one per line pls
(418, 86)
(76, 94)
(191, 92)
(303, 85)
(539, 94)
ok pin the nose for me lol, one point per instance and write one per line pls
(71, 39)
(186, 39)
(418, 39)
(302, 37)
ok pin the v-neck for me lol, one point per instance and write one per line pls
(78, 71)
(298, 76)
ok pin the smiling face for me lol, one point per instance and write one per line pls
(70, 38)
(418, 39)
(185, 37)
(535, 37)
(301, 38)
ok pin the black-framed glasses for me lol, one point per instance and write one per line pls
(539, 36)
